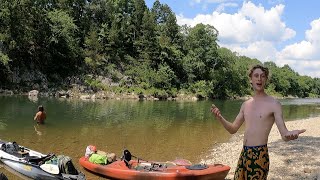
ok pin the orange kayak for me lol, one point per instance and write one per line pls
(157, 170)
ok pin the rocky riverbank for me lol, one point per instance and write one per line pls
(77, 93)
(293, 160)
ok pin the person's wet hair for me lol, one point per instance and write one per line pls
(258, 66)
(40, 108)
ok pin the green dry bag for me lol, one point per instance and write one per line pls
(98, 159)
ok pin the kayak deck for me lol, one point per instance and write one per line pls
(157, 170)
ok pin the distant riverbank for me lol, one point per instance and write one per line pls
(85, 94)
(294, 160)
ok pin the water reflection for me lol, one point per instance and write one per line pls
(33, 98)
(39, 129)
(3, 125)
(152, 130)
(300, 101)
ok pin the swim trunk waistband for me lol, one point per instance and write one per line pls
(254, 147)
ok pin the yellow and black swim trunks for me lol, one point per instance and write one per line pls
(253, 163)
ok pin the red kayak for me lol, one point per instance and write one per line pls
(139, 169)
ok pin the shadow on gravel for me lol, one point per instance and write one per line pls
(301, 158)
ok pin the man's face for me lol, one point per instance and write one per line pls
(258, 79)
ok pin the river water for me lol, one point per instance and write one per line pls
(151, 130)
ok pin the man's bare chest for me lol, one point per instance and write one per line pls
(258, 112)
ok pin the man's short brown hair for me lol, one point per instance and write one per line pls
(258, 66)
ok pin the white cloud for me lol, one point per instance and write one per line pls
(261, 50)
(251, 23)
(221, 7)
(304, 56)
(313, 35)
(306, 49)
(254, 31)
(303, 67)
(267, 23)
(302, 50)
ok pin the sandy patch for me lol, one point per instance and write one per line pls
(293, 160)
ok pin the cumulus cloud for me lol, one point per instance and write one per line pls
(313, 35)
(267, 23)
(306, 49)
(302, 50)
(304, 56)
(255, 32)
(251, 23)
(303, 67)
(262, 50)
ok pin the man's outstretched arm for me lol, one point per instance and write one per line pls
(285, 133)
(230, 127)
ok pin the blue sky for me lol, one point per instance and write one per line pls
(282, 31)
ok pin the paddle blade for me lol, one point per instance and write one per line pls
(50, 168)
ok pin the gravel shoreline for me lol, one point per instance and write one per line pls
(293, 160)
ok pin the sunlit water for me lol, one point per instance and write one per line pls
(151, 130)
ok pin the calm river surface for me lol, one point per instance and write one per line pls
(151, 130)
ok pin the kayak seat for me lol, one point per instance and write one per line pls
(33, 159)
(126, 157)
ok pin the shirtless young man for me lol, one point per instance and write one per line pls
(259, 113)
(40, 115)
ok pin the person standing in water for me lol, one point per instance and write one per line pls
(259, 113)
(40, 115)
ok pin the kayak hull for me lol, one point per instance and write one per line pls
(26, 163)
(119, 170)
(28, 170)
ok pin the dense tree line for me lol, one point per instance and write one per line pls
(137, 48)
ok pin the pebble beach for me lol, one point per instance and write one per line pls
(293, 160)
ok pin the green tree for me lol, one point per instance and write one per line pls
(147, 44)
(94, 53)
(201, 47)
(63, 45)
(305, 86)
(169, 39)
(280, 79)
